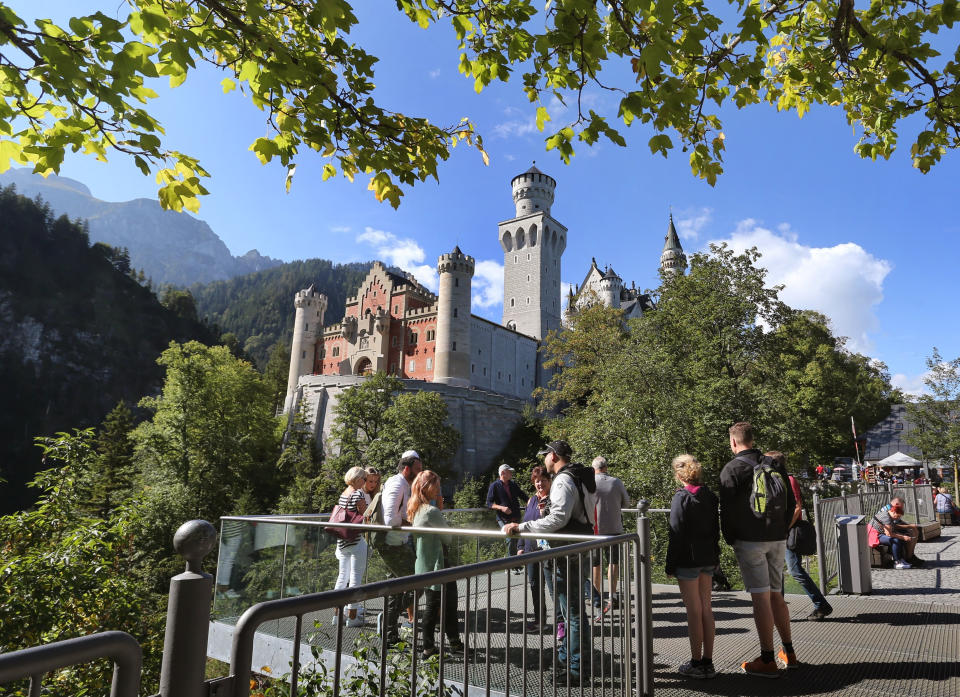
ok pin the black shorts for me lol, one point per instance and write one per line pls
(611, 554)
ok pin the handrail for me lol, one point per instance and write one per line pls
(36, 661)
(253, 617)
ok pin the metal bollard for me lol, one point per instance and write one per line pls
(644, 593)
(188, 615)
(821, 569)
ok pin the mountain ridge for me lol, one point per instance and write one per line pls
(171, 247)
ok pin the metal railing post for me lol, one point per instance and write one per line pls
(818, 526)
(188, 615)
(643, 588)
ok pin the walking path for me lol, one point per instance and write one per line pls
(901, 641)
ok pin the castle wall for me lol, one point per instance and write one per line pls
(502, 360)
(485, 420)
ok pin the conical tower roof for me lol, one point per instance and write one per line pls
(672, 259)
(672, 240)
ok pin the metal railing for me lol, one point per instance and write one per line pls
(620, 643)
(37, 661)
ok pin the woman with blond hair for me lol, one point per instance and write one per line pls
(352, 554)
(693, 552)
(424, 511)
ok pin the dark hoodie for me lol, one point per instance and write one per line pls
(694, 539)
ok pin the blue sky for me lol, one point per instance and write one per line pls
(867, 243)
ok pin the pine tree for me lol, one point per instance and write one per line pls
(112, 471)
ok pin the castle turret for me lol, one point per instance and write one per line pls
(533, 244)
(609, 288)
(311, 306)
(452, 358)
(672, 260)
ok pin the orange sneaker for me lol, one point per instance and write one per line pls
(788, 659)
(758, 667)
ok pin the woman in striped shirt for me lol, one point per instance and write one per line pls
(352, 554)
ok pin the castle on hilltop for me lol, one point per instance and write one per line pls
(484, 370)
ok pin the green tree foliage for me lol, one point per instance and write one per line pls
(720, 347)
(79, 336)
(112, 471)
(672, 67)
(299, 463)
(213, 432)
(376, 421)
(65, 574)
(276, 372)
(180, 302)
(258, 307)
(937, 414)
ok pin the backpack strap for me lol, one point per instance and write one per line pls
(577, 483)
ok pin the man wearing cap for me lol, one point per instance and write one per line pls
(505, 497)
(611, 500)
(572, 501)
(397, 554)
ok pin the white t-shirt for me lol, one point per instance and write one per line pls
(395, 497)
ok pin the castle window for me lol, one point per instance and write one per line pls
(374, 293)
(413, 337)
(522, 382)
(306, 327)
(528, 301)
(456, 282)
(516, 259)
(336, 351)
(429, 363)
(303, 354)
(454, 312)
(396, 309)
(528, 257)
(499, 375)
(473, 368)
(509, 377)
(511, 302)
(412, 367)
(454, 345)
(528, 278)
(484, 372)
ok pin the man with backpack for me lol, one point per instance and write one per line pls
(756, 508)
(572, 502)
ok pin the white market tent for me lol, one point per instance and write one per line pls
(898, 459)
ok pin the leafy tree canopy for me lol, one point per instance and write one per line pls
(937, 414)
(720, 347)
(671, 65)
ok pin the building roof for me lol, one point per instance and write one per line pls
(889, 436)
(672, 240)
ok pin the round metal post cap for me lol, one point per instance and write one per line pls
(643, 505)
(193, 541)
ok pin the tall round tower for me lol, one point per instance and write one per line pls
(672, 260)
(533, 191)
(452, 358)
(609, 288)
(311, 305)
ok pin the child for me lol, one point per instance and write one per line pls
(693, 552)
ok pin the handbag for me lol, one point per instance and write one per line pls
(341, 515)
(802, 537)
(873, 535)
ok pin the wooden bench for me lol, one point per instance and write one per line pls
(880, 557)
(929, 530)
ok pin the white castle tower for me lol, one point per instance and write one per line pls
(311, 305)
(452, 359)
(672, 260)
(533, 243)
(609, 288)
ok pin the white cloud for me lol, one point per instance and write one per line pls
(403, 253)
(910, 384)
(434, 74)
(487, 284)
(339, 228)
(524, 121)
(844, 282)
(690, 222)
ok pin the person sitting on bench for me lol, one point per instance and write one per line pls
(901, 537)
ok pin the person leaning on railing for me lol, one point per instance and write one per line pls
(352, 554)
(424, 510)
(537, 507)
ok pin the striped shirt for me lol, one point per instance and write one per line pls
(350, 501)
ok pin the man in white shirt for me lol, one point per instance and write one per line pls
(397, 554)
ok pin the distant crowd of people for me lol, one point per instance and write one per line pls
(755, 508)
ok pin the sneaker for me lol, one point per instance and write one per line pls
(820, 613)
(692, 670)
(534, 627)
(355, 622)
(708, 670)
(902, 565)
(335, 620)
(759, 667)
(788, 658)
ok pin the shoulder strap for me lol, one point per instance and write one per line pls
(577, 483)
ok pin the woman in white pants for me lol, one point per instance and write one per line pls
(352, 554)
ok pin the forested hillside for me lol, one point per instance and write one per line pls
(77, 334)
(258, 308)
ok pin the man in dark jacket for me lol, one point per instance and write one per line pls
(506, 499)
(760, 546)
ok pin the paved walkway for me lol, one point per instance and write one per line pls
(903, 640)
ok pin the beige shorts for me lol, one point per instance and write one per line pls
(761, 564)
